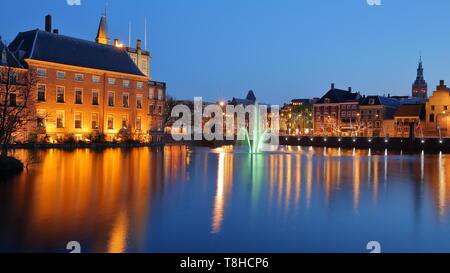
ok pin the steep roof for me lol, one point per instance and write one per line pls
(339, 96)
(251, 96)
(380, 100)
(102, 33)
(7, 58)
(55, 48)
(411, 110)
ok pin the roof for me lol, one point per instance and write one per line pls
(249, 100)
(102, 33)
(251, 96)
(339, 96)
(380, 100)
(411, 110)
(55, 48)
(10, 60)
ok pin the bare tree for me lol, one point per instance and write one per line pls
(17, 106)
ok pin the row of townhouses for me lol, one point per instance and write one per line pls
(347, 113)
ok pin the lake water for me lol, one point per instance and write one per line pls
(195, 199)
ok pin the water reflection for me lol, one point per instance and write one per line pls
(177, 199)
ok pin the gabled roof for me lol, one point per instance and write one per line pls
(251, 96)
(339, 96)
(55, 48)
(11, 60)
(380, 100)
(411, 110)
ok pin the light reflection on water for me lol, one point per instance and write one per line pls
(180, 199)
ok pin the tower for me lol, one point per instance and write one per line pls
(420, 87)
(102, 34)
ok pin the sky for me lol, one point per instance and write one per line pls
(281, 49)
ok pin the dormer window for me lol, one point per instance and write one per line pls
(371, 101)
(327, 100)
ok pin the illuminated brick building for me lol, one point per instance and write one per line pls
(89, 88)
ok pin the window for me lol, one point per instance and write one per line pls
(78, 96)
(2, 99)
(432, 118)
(60, 75)
(160, 94)
(125, 100)
(354, 106)
(377, 124)
(160, 110)
(432, 107)
(144, 64)
(79, 77)
(42, 72)
(95, 121)
(139, 102)
(78, 121)
(95, 97)
(41, 92)
(59, 119)
(138, 123)
(139, 85)
(40, 122)
(12, 77)
(111, 81)
(445, 108)
(110, 98)
(126, 83)
(96, 79)
(344, 106)
(124, 122)
(110, 122)
(60, 94)
(371, 101)
(159, 125)
(12, 99)
(150, 94)
(327, 100)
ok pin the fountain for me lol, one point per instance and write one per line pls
(255, 141)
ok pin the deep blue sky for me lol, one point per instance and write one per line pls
(282, 49)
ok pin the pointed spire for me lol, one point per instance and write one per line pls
(102, 34)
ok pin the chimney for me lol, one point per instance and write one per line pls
(48, 23)
(56, 31)
(350, 89)
(332, 86)
(138, 44)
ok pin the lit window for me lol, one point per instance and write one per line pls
(150, 94)
(94, 97)
(95, 121)
(78, 96)
(42, 72)
(110, 99)
(138, 123)
(60, 94)
(125, 100)
(60, 75)
(124, 122)
(110, 122)
(139, 102)
(79, 77)
(59, 119)
(111, 81)
(78, 121)
(41, 92)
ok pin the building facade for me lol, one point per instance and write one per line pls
(374, 110)
(438, 112)
(89, 90)
(337, 113)
(409, 120)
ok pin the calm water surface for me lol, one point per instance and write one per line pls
(181, 199)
